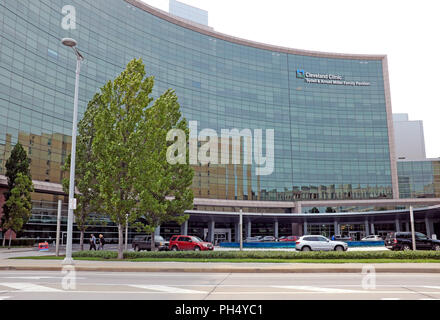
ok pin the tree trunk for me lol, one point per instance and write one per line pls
(10, 238)
(153, 241)
(81, 240)
(4, 238)
(121, 242)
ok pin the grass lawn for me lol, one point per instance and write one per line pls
(241, 260)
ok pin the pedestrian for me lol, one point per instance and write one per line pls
(92, 242)
(333, 237)
(101, 242)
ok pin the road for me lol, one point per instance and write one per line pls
(44, 285)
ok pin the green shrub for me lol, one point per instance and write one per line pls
(264, 254)
(96, 254)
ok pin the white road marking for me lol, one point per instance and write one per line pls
(165, 289)
(313, 293)
(318, 289)
(430, 287)
(28, 287)
(32, 278)
(4, 297)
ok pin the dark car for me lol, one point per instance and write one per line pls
(403, 241)
(143, 242)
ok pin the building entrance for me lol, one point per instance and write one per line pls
(220, 235)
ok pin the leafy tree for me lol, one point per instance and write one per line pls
(18, 162)
(129, 149)
(330, 210)
(166, 194)
(19, 204)
(314, 210)
(85, 172)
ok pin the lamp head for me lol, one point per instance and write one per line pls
(69, 42)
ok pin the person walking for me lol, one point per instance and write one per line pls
(92, 242)
(101, 242)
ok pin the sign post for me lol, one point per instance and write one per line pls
(126, 232)
(241, 230)
(413, 235)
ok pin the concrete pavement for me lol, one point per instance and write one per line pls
(218, 267)
(210, 267)
(38, 285)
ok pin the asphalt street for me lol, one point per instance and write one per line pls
(218, 286)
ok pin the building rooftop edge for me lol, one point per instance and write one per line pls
(210, 32)
(418, 160)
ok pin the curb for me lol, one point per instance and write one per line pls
(222, 270)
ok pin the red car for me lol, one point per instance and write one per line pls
(289, 238)
(179, 243)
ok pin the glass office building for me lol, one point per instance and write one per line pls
(188, 12)
(331, 140)
(419, 179)
(331, 113)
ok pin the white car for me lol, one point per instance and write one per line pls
(319, 243)
(372, 238)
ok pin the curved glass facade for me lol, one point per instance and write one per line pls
(419, 179)
(331, 139)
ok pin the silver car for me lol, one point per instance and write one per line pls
(372, 238)
(319, 243)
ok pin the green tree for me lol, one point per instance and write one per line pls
(19, 204)
(85, 172)
(18, 162)
(166, 194)
(314, 210)
(330, 210)
(132, 178)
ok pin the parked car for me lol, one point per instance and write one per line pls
(289, 238)
(319, 243)
(143, 242)
(180, 243)
(269, 239)
(254, 239)
(372, 238)
(403, 241)
(339, 237)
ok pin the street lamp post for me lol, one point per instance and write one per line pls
(72, 201)
(241, 229)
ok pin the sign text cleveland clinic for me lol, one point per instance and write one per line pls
(330, 79)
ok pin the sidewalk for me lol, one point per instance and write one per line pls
(217, 267)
